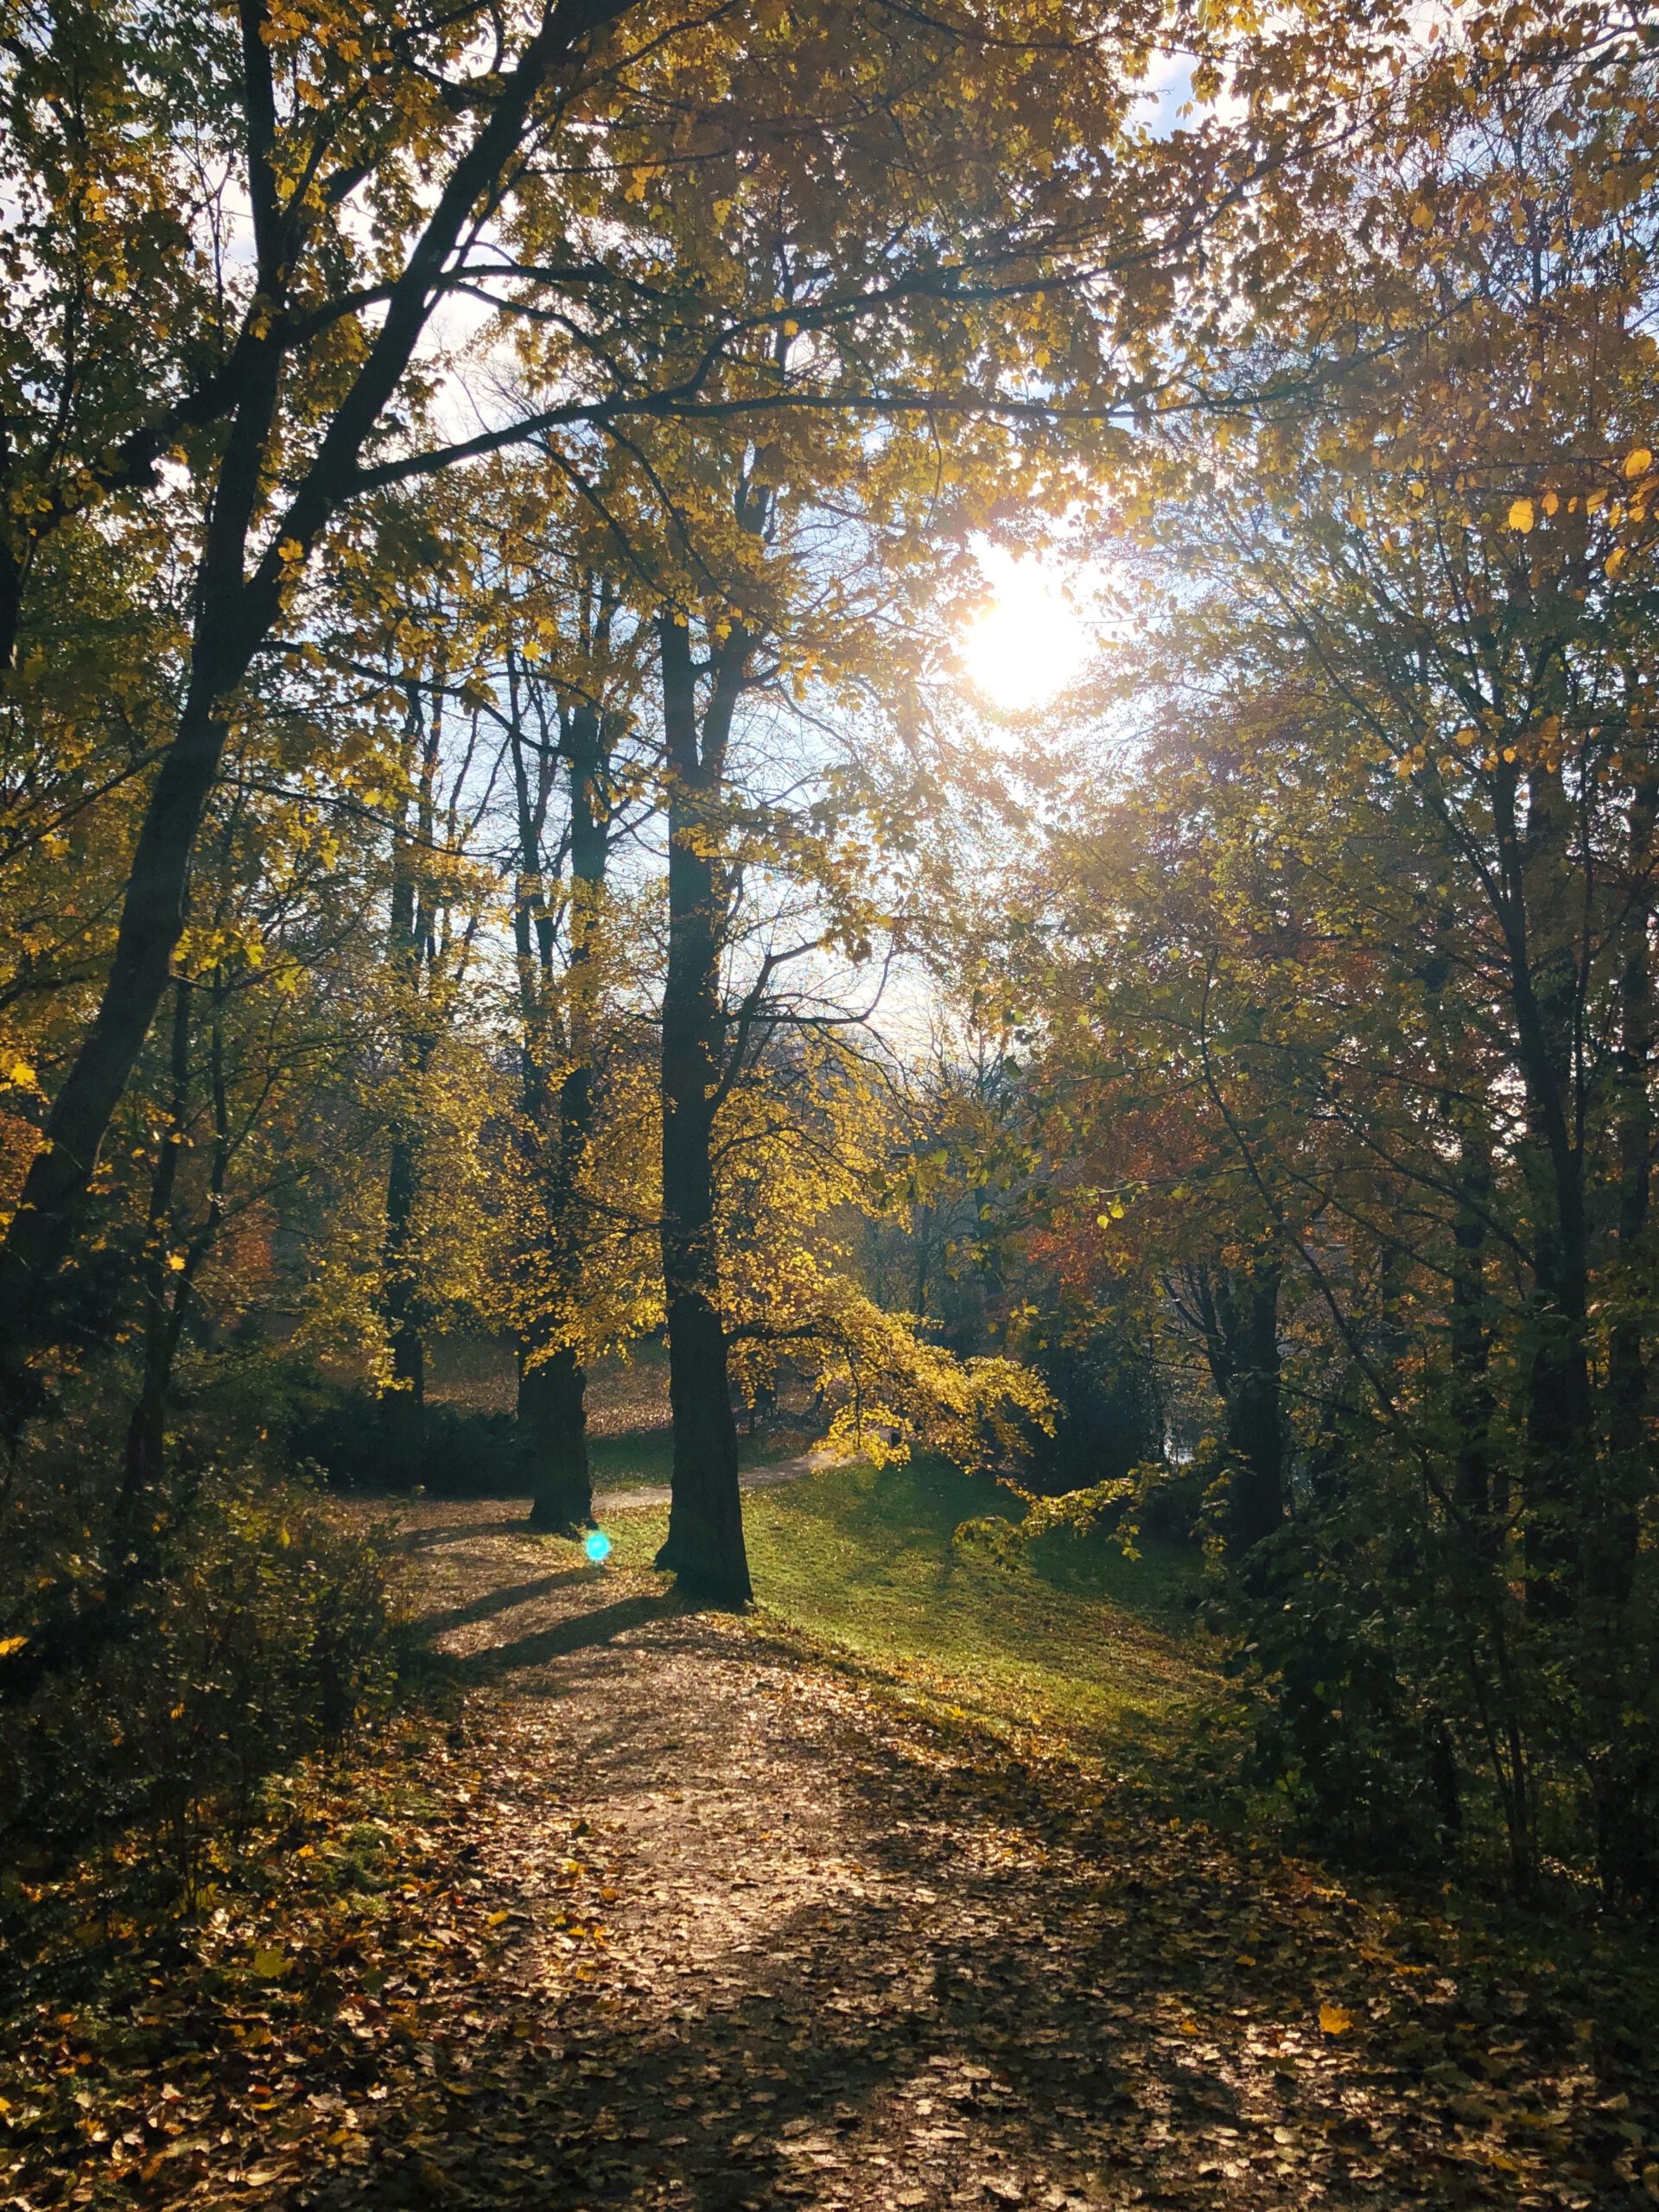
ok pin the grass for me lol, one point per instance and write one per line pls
(630, 1444)
(1069, 1640)
(643, 1459)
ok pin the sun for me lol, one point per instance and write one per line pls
(1031, 642)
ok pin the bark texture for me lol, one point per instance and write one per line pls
(705, 1547)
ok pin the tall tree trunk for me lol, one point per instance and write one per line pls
(43, 1228)
(1537, 910)
(408, 941)
(552, 1382)
(234, 612)
(705, 1547)
(1237, 1317)
(1255, 1427)
(230, 617)
(1473, 1482)
(1624, 1776)
(1613, 1562)
(564, 1488)
(144, 1462)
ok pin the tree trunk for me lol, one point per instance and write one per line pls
(552, 1383)
(558, 1426)
(234, 613)
(1537, 910)
(145, 1458)
(405, 1401)
(1471, 1391)
(1256, 1433)
(152, 921)
(705, 1547)
(408, 932)
(1624, 1776)
(1615, 1539)
(553, 1418)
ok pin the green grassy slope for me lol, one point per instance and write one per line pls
(643, 1459)
(1070, 1640)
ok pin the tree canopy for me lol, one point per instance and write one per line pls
(498, 848)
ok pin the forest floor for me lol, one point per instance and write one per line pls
(676, 1910)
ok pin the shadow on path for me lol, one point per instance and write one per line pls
(560, 1642)
(501, 1601)
(770, 1943)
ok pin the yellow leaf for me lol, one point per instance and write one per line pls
(1421, 216)
(270, 1964)
(1334, 2020)
(1521, 516)
(11, 1643)
(1616, 559)
(175, 1262)
(1638, 463)
(1551, 501)
(20, 1071)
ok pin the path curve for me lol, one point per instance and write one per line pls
(781, 1471)
(770, 1939)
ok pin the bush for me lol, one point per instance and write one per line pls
(1109, 1420)
(363, 1442)
(261, 1631)
(1352, 1738)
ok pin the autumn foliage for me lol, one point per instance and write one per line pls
(488, 820)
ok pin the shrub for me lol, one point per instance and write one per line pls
(361, 1442)
(260, 1631)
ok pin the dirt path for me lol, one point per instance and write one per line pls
(670, 1917)
(774, 1941)
(608, 1502)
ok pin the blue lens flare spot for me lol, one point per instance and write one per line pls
(598, 1546)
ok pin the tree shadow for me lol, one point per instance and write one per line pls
(565, 1637)
(843, 2030)
(439, 1533)
(502, 1601)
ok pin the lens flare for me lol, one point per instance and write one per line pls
(598, 1546)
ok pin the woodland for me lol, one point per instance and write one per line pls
(809, 1392)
